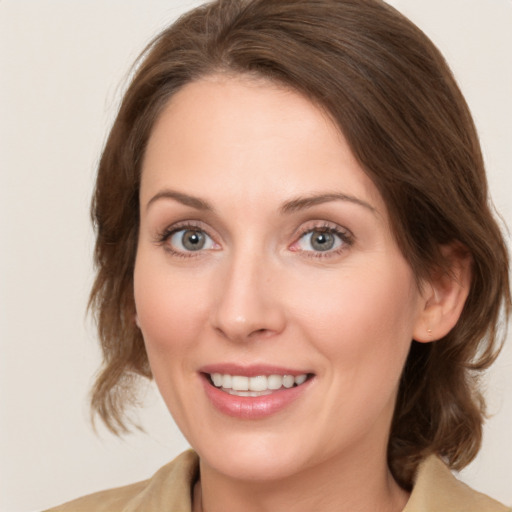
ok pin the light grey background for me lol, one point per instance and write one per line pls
(63, 66)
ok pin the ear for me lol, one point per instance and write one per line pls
(444, 295)
(137, 320)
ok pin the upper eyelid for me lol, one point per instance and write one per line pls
(309, 226)
(169, 230)
(210, 224)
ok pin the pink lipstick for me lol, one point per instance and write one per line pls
(253, 392)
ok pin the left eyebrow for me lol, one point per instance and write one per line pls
(180, 197)
(302, 203)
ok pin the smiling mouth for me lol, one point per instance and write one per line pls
(260, 385)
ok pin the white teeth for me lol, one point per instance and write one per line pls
(258, 383)
(288, 381)
(300, 379)
(240, 383)
(217, 379)
(255, 386)
(226, 381)
(275, 381)
(249, 393)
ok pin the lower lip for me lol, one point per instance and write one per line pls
(252, 407)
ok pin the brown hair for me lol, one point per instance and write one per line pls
(394, 98)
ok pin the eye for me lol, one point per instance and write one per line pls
(190, 240)
(319, 241)
(325, 239)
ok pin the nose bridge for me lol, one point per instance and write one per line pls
(248, 304)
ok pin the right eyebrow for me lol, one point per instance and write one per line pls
(302, 203)
(186, 199)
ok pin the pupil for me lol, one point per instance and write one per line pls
(322, 241)
(193, 240)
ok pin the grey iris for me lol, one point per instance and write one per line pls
(322, 241)
(193, 240)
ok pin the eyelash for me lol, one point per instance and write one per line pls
(163, 236)
(344, 235)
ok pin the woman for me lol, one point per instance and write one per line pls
(294, 241)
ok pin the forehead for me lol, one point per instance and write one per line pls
(223, 135)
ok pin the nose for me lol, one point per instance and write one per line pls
(248, 302)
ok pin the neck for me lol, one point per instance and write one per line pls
(363, 485)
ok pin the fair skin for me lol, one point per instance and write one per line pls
(265, 249)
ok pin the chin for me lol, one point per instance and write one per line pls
(251, 458)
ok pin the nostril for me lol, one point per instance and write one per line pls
(261, 333)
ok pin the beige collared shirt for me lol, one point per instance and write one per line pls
(169, 490)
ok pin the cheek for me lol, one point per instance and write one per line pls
(364, 320)
(169, 316)
(168, 307)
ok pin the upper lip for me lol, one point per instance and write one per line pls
(252, 370)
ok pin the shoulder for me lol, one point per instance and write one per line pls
(168, 489)
(436, 489)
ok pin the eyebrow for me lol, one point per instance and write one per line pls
(187, 200)
(302, 203)
(293, 205)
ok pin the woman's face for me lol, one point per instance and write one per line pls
(266, 260)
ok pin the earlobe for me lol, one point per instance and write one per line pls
(137, 320)
(444, 295)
